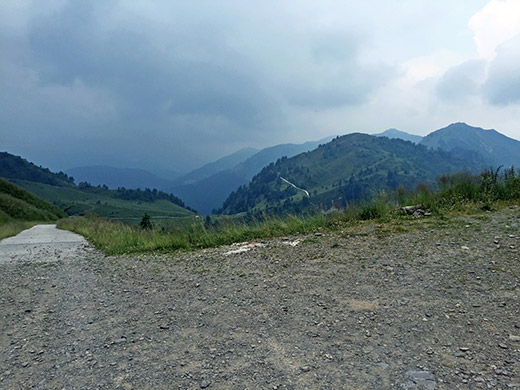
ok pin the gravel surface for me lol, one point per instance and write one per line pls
(42, 243)
(429, 304)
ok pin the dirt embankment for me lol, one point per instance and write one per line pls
(435, 306)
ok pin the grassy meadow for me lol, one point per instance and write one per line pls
(458, 193)
(77, 202)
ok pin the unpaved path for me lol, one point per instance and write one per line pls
(41, 243)
(298, 188)
(429, 304)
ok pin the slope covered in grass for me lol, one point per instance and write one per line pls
(18, 204)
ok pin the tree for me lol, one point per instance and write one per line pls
(146, 222)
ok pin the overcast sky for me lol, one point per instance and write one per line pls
(175, 84)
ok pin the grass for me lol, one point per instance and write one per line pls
(20, 210)
(12, 228)
(18, 204)
(118, 238)
(78, 202)
(457, 194)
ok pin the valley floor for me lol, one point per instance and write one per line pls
(430, 304)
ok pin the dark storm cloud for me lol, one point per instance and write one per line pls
(146, 80)
(503, 84)
(462, 81)
(171, 83)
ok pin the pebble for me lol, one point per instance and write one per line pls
(204, 384)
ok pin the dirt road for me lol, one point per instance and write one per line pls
(434, 305)
(42, 243)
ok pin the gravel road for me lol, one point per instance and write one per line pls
(429, 304)
(42, 243)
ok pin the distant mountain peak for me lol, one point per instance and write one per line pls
(495, 147)
(395, 133)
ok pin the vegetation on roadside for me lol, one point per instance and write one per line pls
(456, 192)
(13, 227)
(20, 210)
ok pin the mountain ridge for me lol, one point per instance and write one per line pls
(209, 193)
(349, 168)
(395, 133)
(491, 144)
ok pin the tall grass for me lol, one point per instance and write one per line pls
(459, 189)
(454, 191)
(12, 228)
(119, 238)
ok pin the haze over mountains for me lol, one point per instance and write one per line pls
(205, 188)
(348, 168)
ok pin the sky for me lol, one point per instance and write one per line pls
(170, 85)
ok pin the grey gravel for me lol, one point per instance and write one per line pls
(374, 306)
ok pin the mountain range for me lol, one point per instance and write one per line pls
(357, 167)
(207, 194)
(349, 168)
(118, 177)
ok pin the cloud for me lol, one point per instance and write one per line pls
(177, 84)
(199, 73)
(503, 84)
(462, 80)
(495, 76)
(497, 22)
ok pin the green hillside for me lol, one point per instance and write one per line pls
(122, 204)
(15, 167)
(18, 204)
(208, 193)
(59, 189)
(349, 168)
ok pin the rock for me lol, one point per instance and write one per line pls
(204, 384)
(417, 211)
(305, 369)
(514, 338)
(419, 380)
